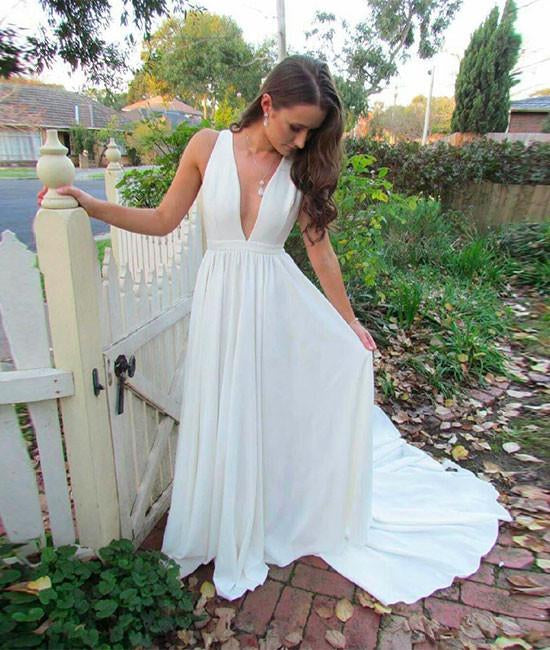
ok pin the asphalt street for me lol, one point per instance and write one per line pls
(18, 207)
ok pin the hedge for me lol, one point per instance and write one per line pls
(433, 170)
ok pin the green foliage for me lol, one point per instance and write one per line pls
(416, 270)
(375, 47)
(71, 31)
(482, 88)
(404, 297)
(526, 251)
(82, 139)
(123, 599)
(144, 188)
(204, 59)
(438, 169)
(546, 124)
(360, 191)
(407, 122)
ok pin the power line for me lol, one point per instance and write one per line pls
(528, 4)
(530, 65)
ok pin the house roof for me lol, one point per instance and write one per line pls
(532, 104)
(159, 103)
(52, 107)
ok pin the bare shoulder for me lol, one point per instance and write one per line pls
(203, 142)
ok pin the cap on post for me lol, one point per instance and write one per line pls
(113, 155)
(55, 169)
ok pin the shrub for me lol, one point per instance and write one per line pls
(123, 599)
(436, 170)
(144, 188)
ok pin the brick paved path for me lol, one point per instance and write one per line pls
(289, 599)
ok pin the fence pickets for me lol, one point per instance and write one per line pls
(35, 382)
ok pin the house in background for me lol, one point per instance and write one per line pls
(528, 115)
(175, 111)
(27, 110)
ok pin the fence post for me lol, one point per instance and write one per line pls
(68, 259)
(113, 174)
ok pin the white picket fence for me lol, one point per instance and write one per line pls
(143, 252)
(116, 331)
(32, 499)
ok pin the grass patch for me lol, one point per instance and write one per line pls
(101, 245)
(531, 433)
(17, 173)
(429, 279)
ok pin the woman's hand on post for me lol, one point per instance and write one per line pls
(84, 199)
(41, 195)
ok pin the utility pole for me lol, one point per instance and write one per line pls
(428, 106)
(393, 115)
(281, 29)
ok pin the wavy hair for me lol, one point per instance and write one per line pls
(301, 79)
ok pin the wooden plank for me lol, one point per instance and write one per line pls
(150, 330)
(153, 464)
(158, 508)
(152, 393)
(119, 436)
(45, 419)
(22, 305)
(19, 501)
(34, 385)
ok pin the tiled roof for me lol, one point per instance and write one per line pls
(536, 104)
(47, 106)
(159, 103)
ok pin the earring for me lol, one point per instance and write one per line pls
(265, 119)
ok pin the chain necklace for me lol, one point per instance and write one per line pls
(261, 187)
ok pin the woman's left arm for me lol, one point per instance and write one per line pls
(325, 263)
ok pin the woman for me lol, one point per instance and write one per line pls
(282, 452)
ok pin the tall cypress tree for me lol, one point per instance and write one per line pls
(482, 88)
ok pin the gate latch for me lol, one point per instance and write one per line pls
(123, 367)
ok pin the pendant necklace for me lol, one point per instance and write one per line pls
(261, 188)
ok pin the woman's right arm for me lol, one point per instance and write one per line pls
(174, 206)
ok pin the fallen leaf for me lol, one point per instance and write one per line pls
(207, 589)
(324, 612)
(459, 452)
(186, 636)
(32, 586)
(293, 638)
(518, 394)
(344, 609)
(528, 458)
(223, 631)
(511, 447)
(335, 638)
(506, 642)
(531, 542)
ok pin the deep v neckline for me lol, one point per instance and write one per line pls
(266, 188)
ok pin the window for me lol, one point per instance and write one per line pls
(18, 146)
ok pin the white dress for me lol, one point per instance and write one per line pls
(282, 452)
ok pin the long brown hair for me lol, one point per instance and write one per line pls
(301, 79)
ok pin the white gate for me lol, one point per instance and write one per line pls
(145, 329)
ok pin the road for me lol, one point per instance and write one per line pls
(18, 207)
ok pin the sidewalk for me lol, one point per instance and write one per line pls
(296, 607)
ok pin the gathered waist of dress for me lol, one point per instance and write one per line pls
(239, 244)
